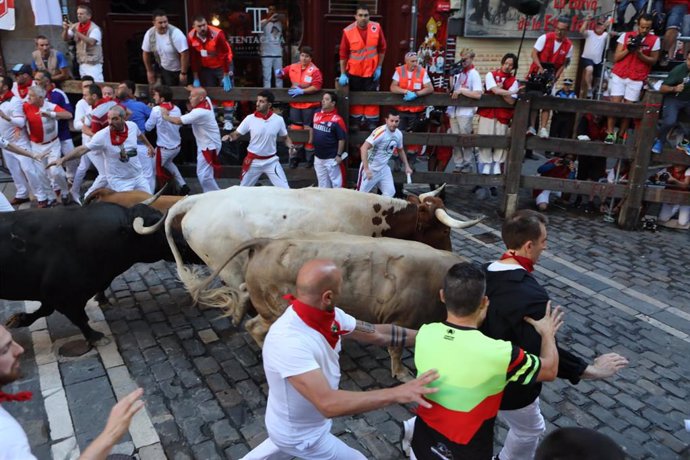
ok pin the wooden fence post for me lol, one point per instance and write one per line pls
(343, 108)
(644, 138)
(516, 154)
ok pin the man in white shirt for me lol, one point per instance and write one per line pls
(88, 37)
(265, 128)
(118, 145)
(9, 148)
(592, 54)
(300, 357)
(165, 47)
(206, 134)
(15, 444)
(168, 136)
(467, 83)
(380, 146)
(27, 174)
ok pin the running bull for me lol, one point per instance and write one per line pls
(61, 257)
(215, 223)
(385, 280)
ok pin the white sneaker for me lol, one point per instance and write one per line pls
(531, 131)
(496, 168)
(544, 133)
(408, 431)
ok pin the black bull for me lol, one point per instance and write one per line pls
(62, 257)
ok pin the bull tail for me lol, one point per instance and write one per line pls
(188, 276)
(223, 296)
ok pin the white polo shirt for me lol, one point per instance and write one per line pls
(168, 47)
(204, 127)
(383, 143)
(263, 133)
(293, 348)
(167, 134)
(121, 161)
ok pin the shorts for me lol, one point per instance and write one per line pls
(674, 16)
(629, 89)
(584, 62)
(685, 31)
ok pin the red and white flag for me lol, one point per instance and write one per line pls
(7, 14)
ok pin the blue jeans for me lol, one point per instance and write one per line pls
(639, 6)
(669, 116)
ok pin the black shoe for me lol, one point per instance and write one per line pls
(476, 187)
(530, 156)
(310, 164)
(293, 162)
(184, 190)
(589, 208)
(493, 191)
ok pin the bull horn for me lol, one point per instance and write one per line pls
(432, 193)
(141, 229)
(445, 219)
(150, 201)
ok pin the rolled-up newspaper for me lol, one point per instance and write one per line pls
(409, 178)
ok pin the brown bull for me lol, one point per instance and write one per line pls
(128, 199)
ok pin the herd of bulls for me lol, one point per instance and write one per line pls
(394, 253)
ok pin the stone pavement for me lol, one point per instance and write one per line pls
(206, 393)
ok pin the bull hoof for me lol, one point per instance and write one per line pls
(17, 320)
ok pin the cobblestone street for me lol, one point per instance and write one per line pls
(205, 389)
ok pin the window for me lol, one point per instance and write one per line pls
(348, 6)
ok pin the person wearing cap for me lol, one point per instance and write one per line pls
(556, 49)
(411, 80)
(467, 83)
(591, 59)
(88, 37)
(305, 78)
(23, 80)
(562, 123)
(49, 59)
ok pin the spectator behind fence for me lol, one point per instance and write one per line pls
(272, 46)
(467, 83)
(88, 37)
(675, 11)
(49, 59)
(562, 123)
(591, 128)
(677, 177)
(676, 90)
(561, 168)
(636, 52)
(574, 443)
(591, 60)
(210, 55)
(165, 52)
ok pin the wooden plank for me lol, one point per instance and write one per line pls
(630, 212)
(516, 153)
(574, 186)
(660, 195)
(671, 156)
(597, 149)
(464, 140)
(588, 106)
(440, 99)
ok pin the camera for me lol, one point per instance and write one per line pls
(663, 177)
(635, 42)
(541, 82)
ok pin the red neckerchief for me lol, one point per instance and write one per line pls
(19, 397)
(524, 262)
(117, 138)
(83, 28)
(203, 105)
(23, 90)
(7, 96)
(166, 105)
(258, 114)
(467, 70)
(320, 320)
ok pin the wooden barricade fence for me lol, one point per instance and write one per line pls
(645, 115)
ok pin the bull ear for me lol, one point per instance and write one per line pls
(414, 199)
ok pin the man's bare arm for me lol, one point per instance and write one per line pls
(384, 335)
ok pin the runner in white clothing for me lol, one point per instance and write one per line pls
(380, 146)
(7, 146)
(168, 137)
(265, 128)
(207, 135)
(118, 144)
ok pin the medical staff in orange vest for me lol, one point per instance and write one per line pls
(210, 55)
(305, 78)
(361, 56)
(412, 81)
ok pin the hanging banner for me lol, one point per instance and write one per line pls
(494, 18)
(433, 52)
(7, 14)
(47, 12)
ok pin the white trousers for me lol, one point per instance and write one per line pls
(669, 210)
(543, 197)
(167, 157)
(85, 163)
(328, 173)
(28, 176)
(101, 180)
(327, 447)
(127, 185)
(147, 167)
(95, 70)
(204, 172)
(490, 160)
(5, 205)
(268, 66)
(383, 179)
(66, 146)
(271, 167)
(56, 174)
(462, 125)
(525, 427)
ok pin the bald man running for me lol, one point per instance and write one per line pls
(207, 135)
(300, 357)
